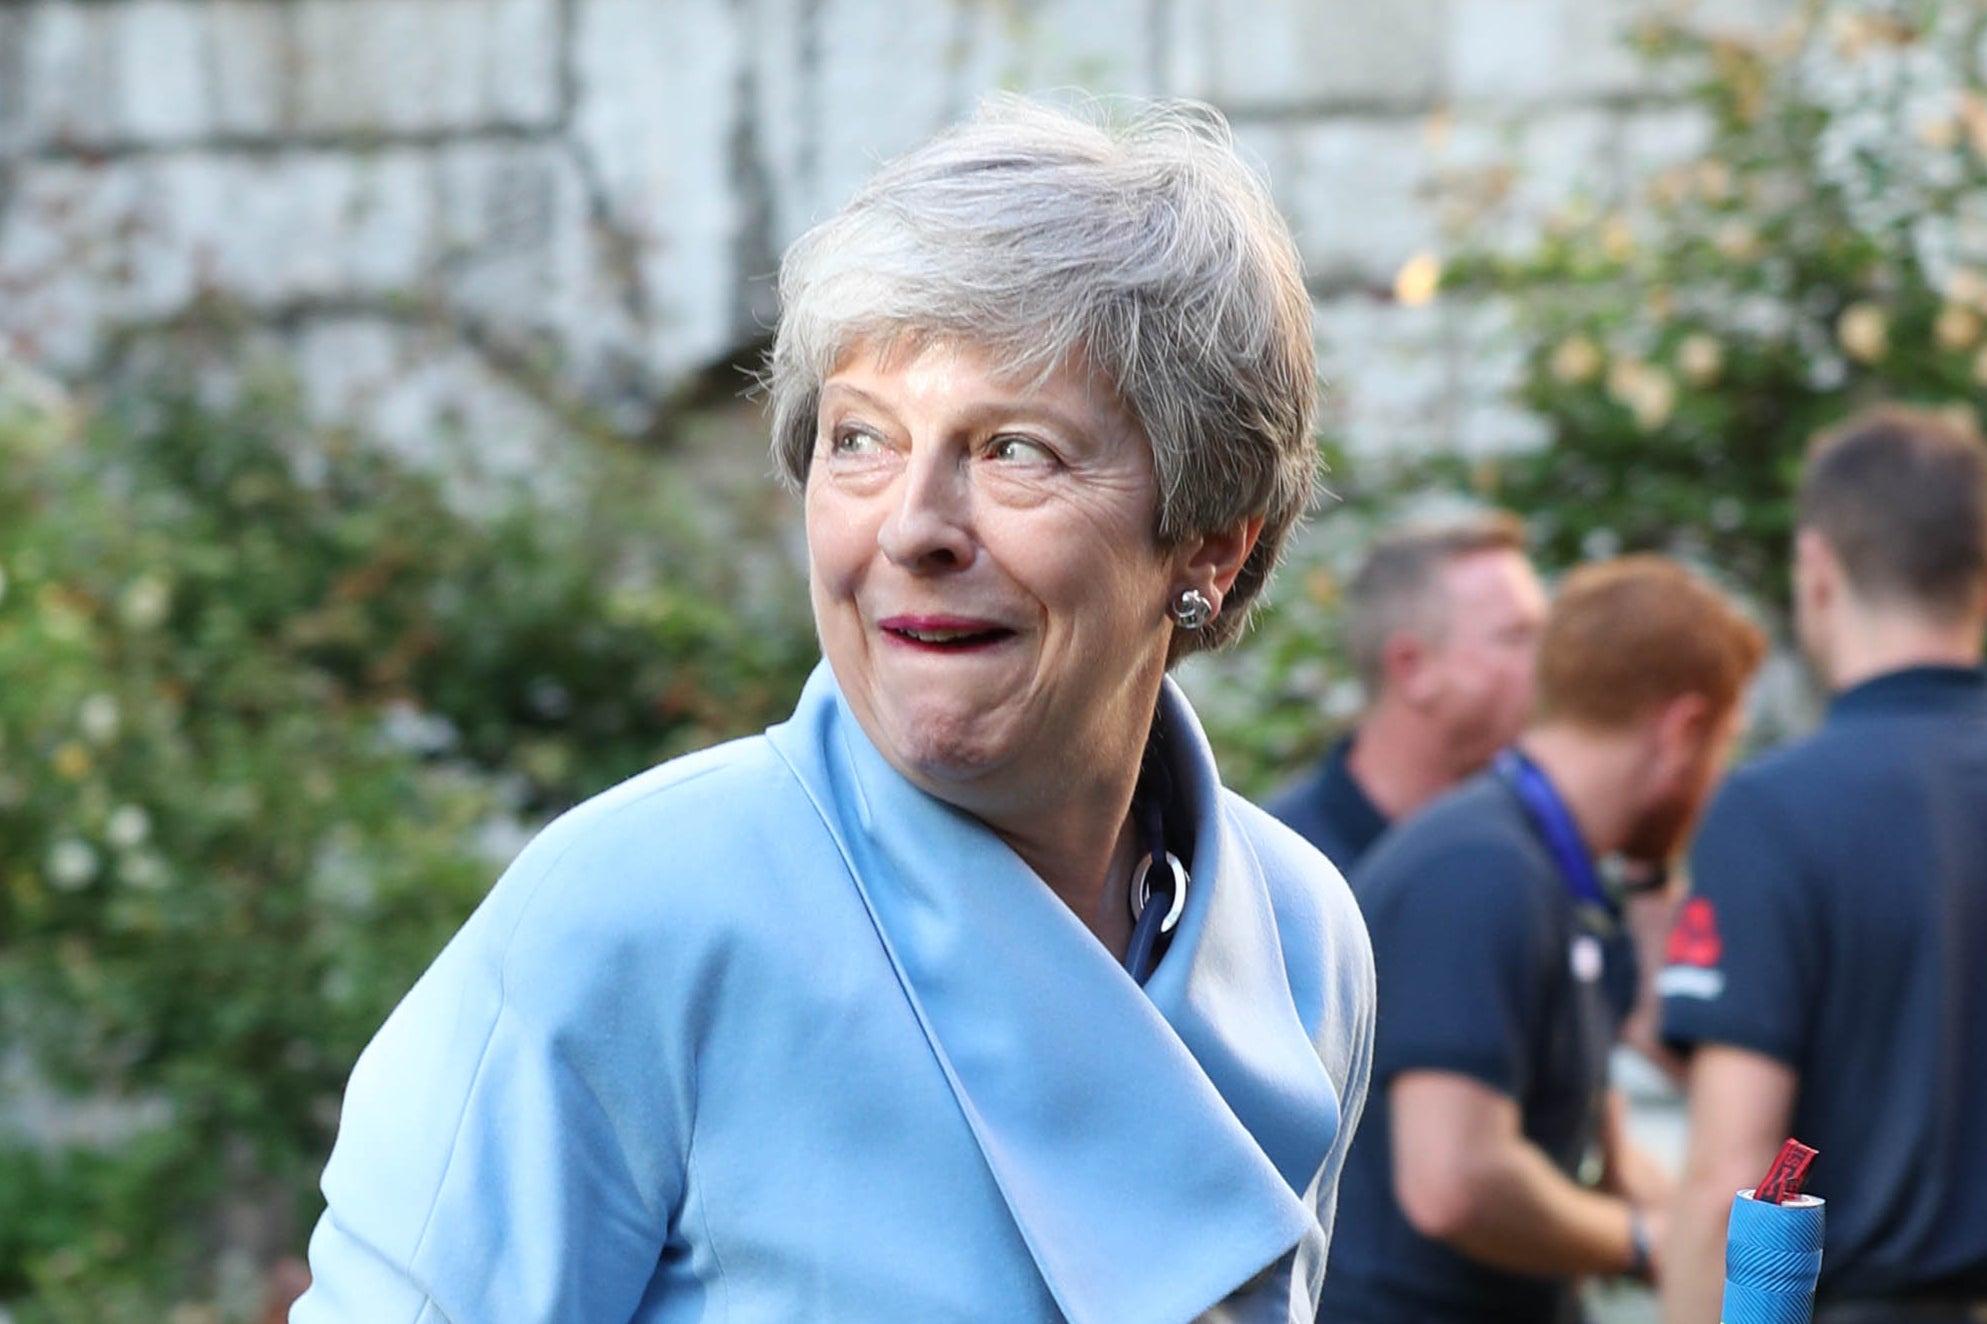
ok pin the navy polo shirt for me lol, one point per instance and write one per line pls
(1329, 809)
(1839, 925)
(1486, 968)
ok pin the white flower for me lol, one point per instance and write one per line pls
(1600, 544)
(1700, 358)
(128, 826)
(1864, 332)
(1576, 360)
(71, 864)
(143, 870)
(98, 718)
(145, 602)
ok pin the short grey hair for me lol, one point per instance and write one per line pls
(1393, 589)
(1144, 249)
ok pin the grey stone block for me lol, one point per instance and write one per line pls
(643, 77)
(1489, 357)
(251, 63)
(1254, 56)
(1354, 191)
(1495, 179)
(1527, 51)
(70, 93)
(436, 402)
(162, 71)
(412, 66)
(1387, 376)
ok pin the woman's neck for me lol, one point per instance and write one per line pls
(1084, 852)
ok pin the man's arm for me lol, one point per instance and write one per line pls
(1466, 1175)
(1741, 1104)
(1627, 1169)
(1650, 917)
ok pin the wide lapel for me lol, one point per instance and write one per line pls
(1141, 1196)
(1225, 983)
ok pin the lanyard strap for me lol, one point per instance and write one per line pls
(1159, 881)
(1555, 823)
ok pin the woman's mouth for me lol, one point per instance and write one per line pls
(944, 634)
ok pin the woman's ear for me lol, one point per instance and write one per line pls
(1211, 561)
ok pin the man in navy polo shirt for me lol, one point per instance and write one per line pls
(1442, 622)
(1829, 973)
(1498, 954)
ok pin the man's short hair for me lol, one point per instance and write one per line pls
(1900, 496)
(1626, 636)
(1394, 587)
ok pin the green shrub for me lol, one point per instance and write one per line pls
(1827, 249)
(271, 713)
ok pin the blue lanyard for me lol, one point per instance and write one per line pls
(1555, 823)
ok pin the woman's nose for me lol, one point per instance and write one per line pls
(929, 528)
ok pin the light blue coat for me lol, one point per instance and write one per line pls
(768, 1034)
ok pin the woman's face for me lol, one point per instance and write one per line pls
(984, 573)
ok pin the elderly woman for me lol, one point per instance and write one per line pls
(967, 993)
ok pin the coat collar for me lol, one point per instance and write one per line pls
(1153, 1145)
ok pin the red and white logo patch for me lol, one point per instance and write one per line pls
(1693, 954)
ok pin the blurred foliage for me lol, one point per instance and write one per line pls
(274, 712)
(1275, 701)
(1828, 248)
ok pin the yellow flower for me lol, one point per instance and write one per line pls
(1940, 133)
(1973, 117)
(1647, 393)
(1700, 358)
(1737, 241)
(71, 762)
(1617, 239)
(1714, 179)
(1576, 360)
(1418, 280)
(1957, 328)
(1863, 332)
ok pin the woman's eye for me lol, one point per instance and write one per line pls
(1020, 449)
(854, 441)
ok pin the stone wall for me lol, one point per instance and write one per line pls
(501, 217)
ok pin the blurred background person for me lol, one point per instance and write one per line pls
(1829, 975)
(1442, 623)
(1493, 937)
(968, 992)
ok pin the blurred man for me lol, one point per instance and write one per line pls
(1494, 938)
(1830, 971)
(1442, 623)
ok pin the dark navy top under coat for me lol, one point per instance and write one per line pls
(1331, 810)
(1486, 968)
(1840, 926)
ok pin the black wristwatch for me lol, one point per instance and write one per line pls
(1639, 1247)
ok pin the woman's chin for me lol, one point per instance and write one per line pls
(938, 749)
